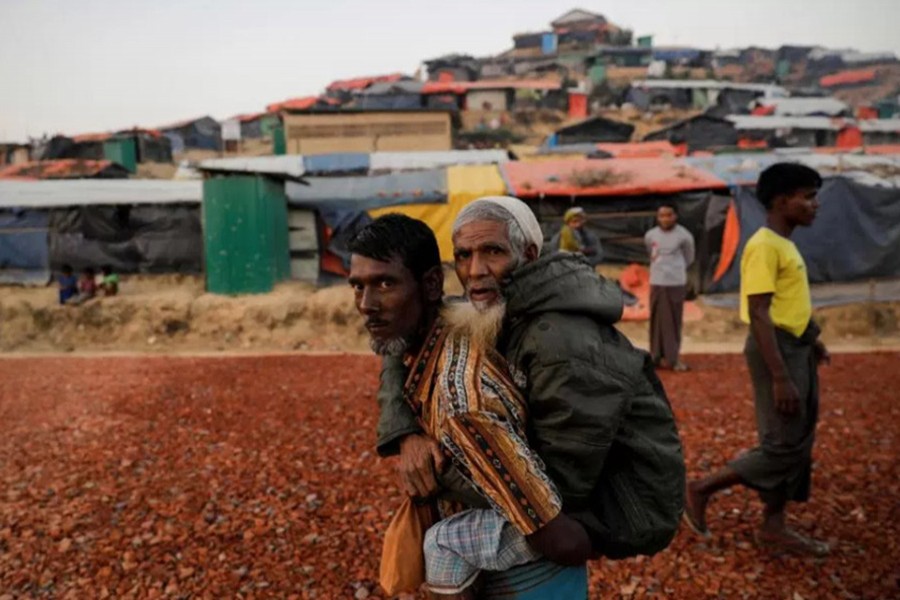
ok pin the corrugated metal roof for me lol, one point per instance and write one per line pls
(336, 162)
(744, 169)
(577, 15)
(768, 89)
(748, 122)
(84, 192)
(801, 107)
(289, 165)
(406, 161)
(848, 78)
(846, 162)
(880, 125)
(854, 57)
(63, 168)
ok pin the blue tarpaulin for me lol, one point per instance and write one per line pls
(24, 247)
(339, 162)
(366, 193)
(854, 237)
(549, 43)
(676, 54)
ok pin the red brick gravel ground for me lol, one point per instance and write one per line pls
(255, 478)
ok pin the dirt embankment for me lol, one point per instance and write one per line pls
(175, 314)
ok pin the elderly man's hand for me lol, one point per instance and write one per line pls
(420, 461)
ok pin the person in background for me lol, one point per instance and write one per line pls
(109, 281)
(783, 353)
(573, 237)
(87, 287)
(671, 249)
(68, 284)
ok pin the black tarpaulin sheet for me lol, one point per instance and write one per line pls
(856, 234)
(132, 239)
(621, 223)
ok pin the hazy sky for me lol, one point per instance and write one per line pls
(94, 65)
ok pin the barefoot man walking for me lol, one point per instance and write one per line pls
(783, 352)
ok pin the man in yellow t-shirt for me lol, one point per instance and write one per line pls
(772, 265)
(783, 353)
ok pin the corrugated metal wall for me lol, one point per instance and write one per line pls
(122, 151)
(303, 239)
(245, 230)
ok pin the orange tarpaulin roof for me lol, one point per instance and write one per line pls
(461, 87)
(91, 137)
(883, 149)
(64, 168)
(302, 103)
(615, 177)
(848, 77)
(640, 149)
(361, 83)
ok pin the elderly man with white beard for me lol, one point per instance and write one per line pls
(597, 414)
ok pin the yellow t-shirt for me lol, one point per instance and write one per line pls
(771, 264)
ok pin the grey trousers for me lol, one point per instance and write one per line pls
(779, 468)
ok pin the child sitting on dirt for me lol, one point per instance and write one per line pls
(87, 287)
(109, 281)
(68, 284)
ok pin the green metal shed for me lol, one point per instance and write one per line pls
(122, 151)
(245, 231)
(279, 142)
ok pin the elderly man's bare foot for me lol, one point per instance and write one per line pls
(790, 542)
(695, 510)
